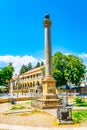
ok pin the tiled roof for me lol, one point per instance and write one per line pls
(28, 73)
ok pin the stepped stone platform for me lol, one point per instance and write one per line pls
(48, 101)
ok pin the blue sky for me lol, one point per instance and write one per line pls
(22, 31)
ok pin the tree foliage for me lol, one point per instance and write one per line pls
(6, 74)
(28, 67)
(39, 64)
(42, 63)
(67, 68)
(25, 68)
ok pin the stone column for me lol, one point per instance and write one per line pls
(49, 98)
(48, 51)
(49, 84)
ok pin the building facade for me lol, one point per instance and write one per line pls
(31, 80)
(28, 81)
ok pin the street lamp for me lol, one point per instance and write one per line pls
(22, 89)
(22, 86)
(11, 89)
(17, 85)
(17, 90)
(27, 89)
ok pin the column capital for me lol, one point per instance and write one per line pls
(47, 21)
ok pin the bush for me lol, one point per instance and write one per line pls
(78, 100)
(17, 107)
(3, 90)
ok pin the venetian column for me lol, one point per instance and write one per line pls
(49, 84)
(48, 51)
(49, 98)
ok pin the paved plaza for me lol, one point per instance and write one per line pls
(43, 121)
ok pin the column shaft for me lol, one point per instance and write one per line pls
(48, 52)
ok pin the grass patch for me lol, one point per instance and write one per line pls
(79, 116)
(24, 114)
(28, 102)
(79, 102)
(84, 104)
(17, 107)
(36, 111)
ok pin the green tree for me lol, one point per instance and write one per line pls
(29, 67)
(37, 65)
(6, 74)
(42, 63)
(67, 68)
(23, 69)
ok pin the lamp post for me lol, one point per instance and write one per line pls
(27, 89)
(11, 89)
(22, 86)
(17, 90)
(22, 89)
(17, 85)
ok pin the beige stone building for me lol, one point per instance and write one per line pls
(28, 81)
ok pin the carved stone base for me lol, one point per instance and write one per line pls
(49, 85)
(49, 98)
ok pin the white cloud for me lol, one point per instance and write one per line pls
(17, 61)
(84, 57)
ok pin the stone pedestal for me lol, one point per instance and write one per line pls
(49, 85)
(49, 98)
